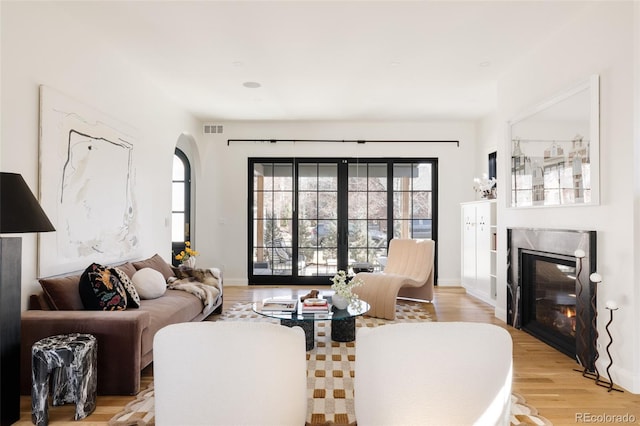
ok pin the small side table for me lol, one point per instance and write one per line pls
(343, 330)
(70, 359)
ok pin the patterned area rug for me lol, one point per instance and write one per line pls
(330, 368)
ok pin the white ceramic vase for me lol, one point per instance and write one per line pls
(339, 302)
(190, 262)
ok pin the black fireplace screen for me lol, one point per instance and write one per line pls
(549, 300)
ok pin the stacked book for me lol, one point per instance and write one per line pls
(315, 305)
(279, 304)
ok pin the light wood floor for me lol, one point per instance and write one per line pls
(545, 377)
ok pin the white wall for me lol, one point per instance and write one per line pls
(488, 135)
(635, 315)
(600, 41)
(41, 44)
(222, 190)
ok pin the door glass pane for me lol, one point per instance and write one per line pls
(259, 177)
(283, 177)
(357, 177)
(402, 205)
(367, 212)
(421, 177)
(357, 205)
(377, 177)
(327, 177)
(272, 250)
(178, 168)
(177, 197)
(377, 233)
(377, 205)
(177, 227)
(421, 204)
(307, 204)
(327, 205)
(413, 200)
(401, 229)
(317, 218)
(327, 232)
(307, 235)
(263, 176)
(357, 233)
(421, 228)
(282, 205)
(258, 204)
(402, 177)
(307, 177)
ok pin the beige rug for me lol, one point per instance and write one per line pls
(330, 374)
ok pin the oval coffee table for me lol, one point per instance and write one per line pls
(343, 321)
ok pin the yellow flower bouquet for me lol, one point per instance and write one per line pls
(187, 256)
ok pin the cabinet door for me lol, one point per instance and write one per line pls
(483, 248)
(468, 246)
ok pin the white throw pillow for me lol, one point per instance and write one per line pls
(149, 283)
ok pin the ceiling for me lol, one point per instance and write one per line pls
(327, 60)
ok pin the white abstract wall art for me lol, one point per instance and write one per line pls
(87, 186)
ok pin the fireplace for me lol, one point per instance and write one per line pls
(550, 294)
(549, 299)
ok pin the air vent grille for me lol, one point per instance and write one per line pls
(212, 129)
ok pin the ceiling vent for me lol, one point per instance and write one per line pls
(209, 129)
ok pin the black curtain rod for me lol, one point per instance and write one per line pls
(361, 141)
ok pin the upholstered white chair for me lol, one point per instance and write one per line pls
(230, 373)
(433, 374)
(408, 273)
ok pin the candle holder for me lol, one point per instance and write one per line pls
(582, 358)
(592, 374)
(611, 306)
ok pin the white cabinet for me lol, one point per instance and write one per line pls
(478, 252)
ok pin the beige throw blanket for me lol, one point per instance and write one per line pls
(199, 282)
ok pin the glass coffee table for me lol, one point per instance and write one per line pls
(343, 321)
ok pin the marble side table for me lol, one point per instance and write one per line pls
(70, 361)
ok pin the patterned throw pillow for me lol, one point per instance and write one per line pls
(133, 298)
(101, 289)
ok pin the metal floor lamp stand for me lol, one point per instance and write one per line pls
(611, 306)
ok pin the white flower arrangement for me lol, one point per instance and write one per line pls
(485, 186)
(343, 288)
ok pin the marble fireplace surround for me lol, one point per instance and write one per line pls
(564, 243)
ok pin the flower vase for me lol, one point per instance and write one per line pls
(339, 302)
(190, 262)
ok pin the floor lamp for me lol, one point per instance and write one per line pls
(20, 212)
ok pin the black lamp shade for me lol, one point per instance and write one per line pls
(20, 212)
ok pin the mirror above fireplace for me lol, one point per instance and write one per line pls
(554, 150)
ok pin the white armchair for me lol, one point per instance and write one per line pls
(230, 373)
(433, 374)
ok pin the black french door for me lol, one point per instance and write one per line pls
(309, 218)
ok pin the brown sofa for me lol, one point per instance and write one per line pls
(125, 338)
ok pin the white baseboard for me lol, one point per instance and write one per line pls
(235, 282)
(501, 314)
(449, 282)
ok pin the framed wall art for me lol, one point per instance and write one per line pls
(87, 186)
